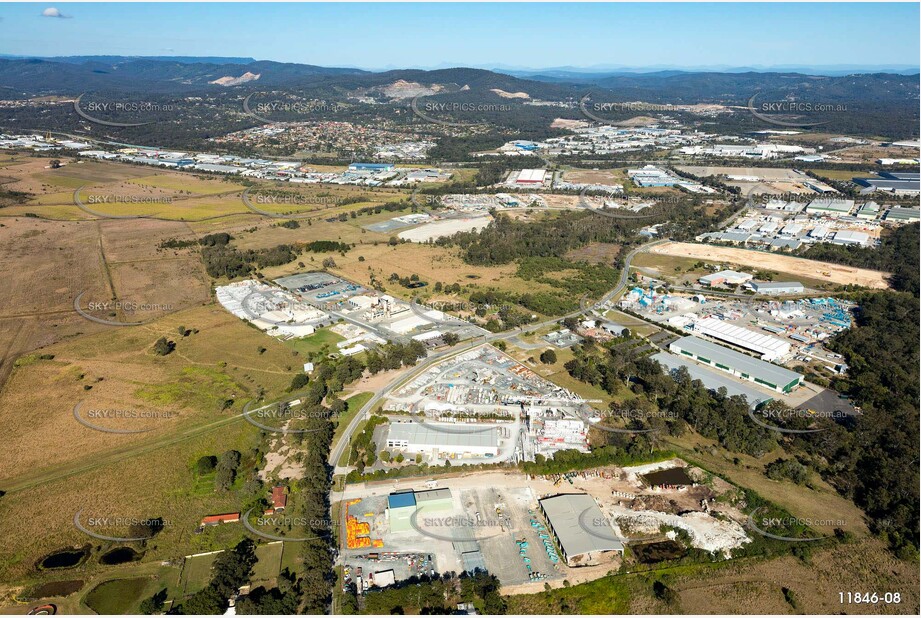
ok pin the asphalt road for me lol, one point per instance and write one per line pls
(346, 438)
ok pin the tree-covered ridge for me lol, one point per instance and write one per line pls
(898, 253)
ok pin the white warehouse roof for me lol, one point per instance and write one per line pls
(428, 435)
(531, 176)
(850, 236)
(570, 516)
(769, 347)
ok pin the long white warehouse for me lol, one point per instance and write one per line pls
(451, 442)
(770, 348)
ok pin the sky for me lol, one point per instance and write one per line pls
(511, 35)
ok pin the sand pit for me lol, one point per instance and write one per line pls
(762, 260)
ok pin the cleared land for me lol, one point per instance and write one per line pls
(772, 261)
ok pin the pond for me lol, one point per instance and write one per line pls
(650, 553)
(120, 555)
(64, 559)
(670, 476)
(55, 589)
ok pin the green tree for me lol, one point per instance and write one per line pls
(548, 357)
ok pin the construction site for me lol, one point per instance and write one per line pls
(528, 530)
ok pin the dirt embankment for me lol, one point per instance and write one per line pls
(799, 267)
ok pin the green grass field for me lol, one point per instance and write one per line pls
(270, 562)
(609, 595)
(196, 574)
(355, 402)
(317, 342)
(118, 596)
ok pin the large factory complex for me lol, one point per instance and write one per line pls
(766, 374)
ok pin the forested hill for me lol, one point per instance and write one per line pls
(72, 75)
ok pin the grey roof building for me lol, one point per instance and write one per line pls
(712, 379)
(777, 287)
(582, 531)
(416, 437)
(744, 366)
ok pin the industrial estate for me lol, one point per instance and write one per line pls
(296, 339)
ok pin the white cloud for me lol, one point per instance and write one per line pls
(53, 12)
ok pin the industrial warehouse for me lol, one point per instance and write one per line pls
(448, 442)
(768, 347)
(466, 394)
(581, 530)
(712, 379)
(403, 505)
(738, 364)
(526, 528)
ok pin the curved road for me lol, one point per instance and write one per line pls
(336, 451)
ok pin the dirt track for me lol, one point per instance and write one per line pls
(781, 263)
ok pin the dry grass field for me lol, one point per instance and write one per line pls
(46, 264)
(747, 586)
(609, 176)
(757, 588)
(819, 502)
(595, 253)
(432, 264)
(117, 370)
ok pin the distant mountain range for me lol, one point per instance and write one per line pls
(186, 75)
(580, 73)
